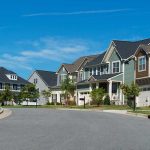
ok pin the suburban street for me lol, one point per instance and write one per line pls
(45, 129)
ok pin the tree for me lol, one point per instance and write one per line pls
(6, 95)
(47, 94)
(97, 95)
(107, 100)
(131, 91)
(29, 92)
(68, 88)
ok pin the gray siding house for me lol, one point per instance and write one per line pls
(11, 79)
(74, 71)
(43, 80)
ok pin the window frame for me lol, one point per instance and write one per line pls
(141, 57)
(113, 66)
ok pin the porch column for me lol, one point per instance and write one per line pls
(90, 87)
(110, 89)
(97, 85)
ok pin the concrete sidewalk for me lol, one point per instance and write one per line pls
(5, 113)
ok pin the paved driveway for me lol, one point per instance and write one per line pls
(45, 129)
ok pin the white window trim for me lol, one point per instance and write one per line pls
(138, 63)
(112, 66)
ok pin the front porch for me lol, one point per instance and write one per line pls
(110, 82)
(112, 88)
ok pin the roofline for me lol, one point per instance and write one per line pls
(39, 76)
(115, 76)
(81, 63)
(138, 49)
(61, 67)
(91, 77)
(112, 42)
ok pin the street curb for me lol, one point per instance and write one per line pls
(121, 112)
(5, 113)
(1, 110)
(137, 115)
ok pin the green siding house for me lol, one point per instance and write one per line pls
(109, 70)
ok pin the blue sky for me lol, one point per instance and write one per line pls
(42, 34)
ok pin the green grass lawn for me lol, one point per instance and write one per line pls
(143, 110)
(102, 107)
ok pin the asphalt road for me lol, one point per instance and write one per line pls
(45, 129)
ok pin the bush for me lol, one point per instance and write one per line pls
(71, 103)
(52, 103)
(58, 103)
(107, 100)
(48, 103)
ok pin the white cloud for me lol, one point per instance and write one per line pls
(77, 12)
(48, 49)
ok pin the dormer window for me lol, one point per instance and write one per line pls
(141, 63)
(12, 76)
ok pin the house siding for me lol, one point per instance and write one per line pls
(142, 73)
(118, 78)
(61, 71)
(114, 57)
(40, 85)
(129, 75)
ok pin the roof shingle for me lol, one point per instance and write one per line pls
(49, 77)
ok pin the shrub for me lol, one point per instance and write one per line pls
(52, 103)
(71, 103)
(48, 103)
(107, 100)
(58, 103)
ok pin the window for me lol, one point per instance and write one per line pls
(1, 86)
(54, 98)
(98, 70)
(114, 87)
(102, 70)
(94, 71)
(116, 67)
(62, 77)
(142, 63)
(15, 87)
(80, 76)
(35, 81)
(90, 71)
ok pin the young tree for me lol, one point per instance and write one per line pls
(131, 92)
(97, 95)
(29, 92)
(47, 94)
(68, 88)
(6, 95)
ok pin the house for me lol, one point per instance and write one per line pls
(142, 69)
(12, 80)
(74, 71)
(109, 70)
(43, 80)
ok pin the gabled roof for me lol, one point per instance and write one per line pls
(77, 63)
(5, 79)
(103, 77)
(49, 77)
(96, 61)
(144, 47)
(128, 48)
